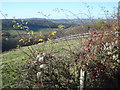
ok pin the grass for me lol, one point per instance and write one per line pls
(16, 55)
(14, 32)
(45, 30)
(13, 60)
(42, 30)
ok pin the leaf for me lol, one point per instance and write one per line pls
(41, 43)
(25, 26)
(53, 33)
(61, 26)
(6, 38)
(20, 40)
(40, 40)
(26, 23)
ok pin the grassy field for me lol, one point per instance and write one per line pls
(42, 30)
(12, 60)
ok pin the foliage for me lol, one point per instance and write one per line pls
(58, 65)
(64, 71)
(33, 24)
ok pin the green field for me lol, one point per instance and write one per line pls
(42, 30)
(13, 61)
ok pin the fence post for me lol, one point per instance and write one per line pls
(82, 79)
(85, 74)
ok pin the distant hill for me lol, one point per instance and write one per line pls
(36, 18)
(75, 21)
(37, 23)
(33, 23)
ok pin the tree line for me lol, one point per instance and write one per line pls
(33, 24)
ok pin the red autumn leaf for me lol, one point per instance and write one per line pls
(88, 49)
(92, 57)
(88, 44)
(101, 36)
(93, 33)
(91, 40)
(99, 43)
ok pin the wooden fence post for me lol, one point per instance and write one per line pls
(82, 79)
(85, 74)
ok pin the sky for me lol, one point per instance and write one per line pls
(72, 9)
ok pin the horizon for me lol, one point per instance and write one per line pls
(72, 10)
(56, 18)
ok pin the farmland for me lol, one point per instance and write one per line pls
(93, 47)
(60, 45)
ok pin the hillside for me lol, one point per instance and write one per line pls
(46, 63)
(33, 23)
(64, 61)
(37, 23)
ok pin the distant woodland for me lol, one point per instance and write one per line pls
(33, 24)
